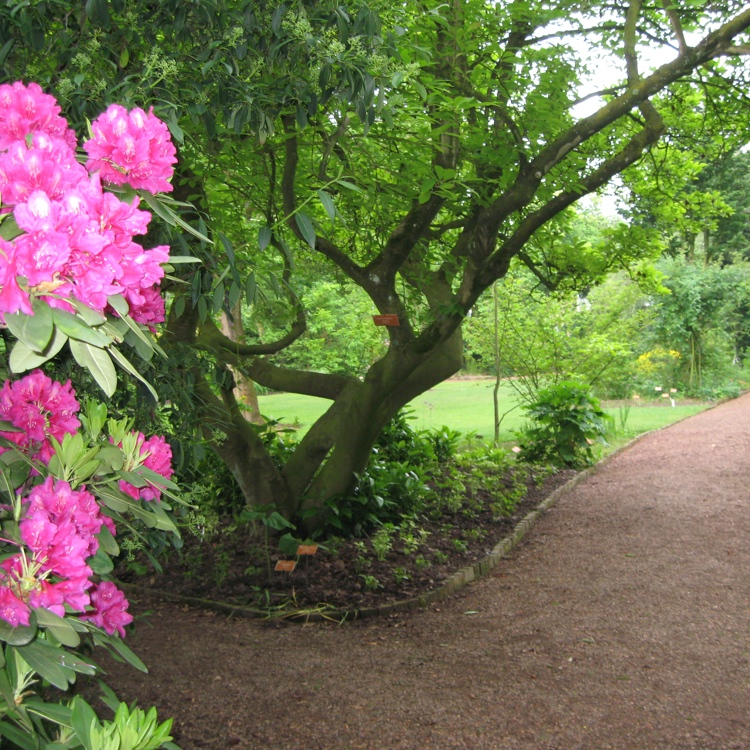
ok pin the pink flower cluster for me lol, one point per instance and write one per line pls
(132, 147)
(59, 532)
(76, 239)
(155, 454)
(59, 525)
(42, 408)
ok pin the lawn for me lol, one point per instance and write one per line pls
(466, 405)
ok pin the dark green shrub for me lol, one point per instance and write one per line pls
(567, 422)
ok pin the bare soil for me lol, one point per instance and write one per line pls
(621, 622)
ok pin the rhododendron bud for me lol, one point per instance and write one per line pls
(133, 148)
(110, 607)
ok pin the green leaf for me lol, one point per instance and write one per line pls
(18, 737)
(22, 358)
(44, 659)
(306, 227)
(82, 719)
(327, 202)
(123, 651)
(58, 626)
(119, 304)
(349, 185)
(228, 248)
(77, 329)
(168, 215)
(264, 238)
(90, 317)
(34, 330)
(108, 542)
(17, 636)
(177, 259)
(98, 363)
(101, 563)
(52, 711)
(128, 367)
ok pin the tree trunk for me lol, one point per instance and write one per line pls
(245, 390)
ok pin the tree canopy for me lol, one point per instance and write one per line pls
(413, 151)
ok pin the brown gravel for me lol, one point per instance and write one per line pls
(622, 622)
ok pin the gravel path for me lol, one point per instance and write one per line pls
(621, 622)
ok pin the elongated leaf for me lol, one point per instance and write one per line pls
(107, 541)
(128, 367)
(306, 227)
(166, 213)
(125, 652)
(119, 304)
(90, 317)
(17, 636)
(228, 248)
(58, 626)
(43, 659)
(177, 259)
(264, 238)
(18, 737)
(53, 711)
(34, 330)
(349, 185)
(327, 202)
(22, 358)
(82, 719)
(98, 363)
(77, 329)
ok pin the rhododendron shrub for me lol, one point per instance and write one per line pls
(72, 272)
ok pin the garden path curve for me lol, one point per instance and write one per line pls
(622, 621)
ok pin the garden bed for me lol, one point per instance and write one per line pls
(233, 565)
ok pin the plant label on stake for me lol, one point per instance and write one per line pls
(285, 566)
(307, 549)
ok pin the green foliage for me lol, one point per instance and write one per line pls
(393, 485)
(567, 422)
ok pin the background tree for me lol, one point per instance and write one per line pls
(416, 151)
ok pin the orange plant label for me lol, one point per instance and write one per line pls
(286, 565)
(307, 549)
(386, 320)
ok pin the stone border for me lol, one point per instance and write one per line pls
(457, 581)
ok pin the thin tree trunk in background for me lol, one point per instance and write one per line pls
(497, 368)
(245, 391)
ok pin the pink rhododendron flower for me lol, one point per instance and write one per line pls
(27, 109)
(12, 297)
(12, 609)
(147, 306)
(48, 596)
(110, 607)
(42, 408)
(49, 166)
(131, 147)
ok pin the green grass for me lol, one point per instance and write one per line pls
(466, 405)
